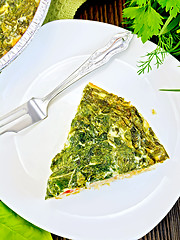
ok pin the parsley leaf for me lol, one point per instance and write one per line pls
(159, 19)
(140, 2)
(147, 22)
(170, 5)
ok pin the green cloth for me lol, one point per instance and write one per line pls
(62, 9)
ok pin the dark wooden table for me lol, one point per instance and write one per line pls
(110, 11)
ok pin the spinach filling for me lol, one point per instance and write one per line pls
(108, 137)
(15, 17)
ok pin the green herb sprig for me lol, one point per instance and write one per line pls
(157, 20)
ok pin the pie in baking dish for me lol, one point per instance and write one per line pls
(15, 17)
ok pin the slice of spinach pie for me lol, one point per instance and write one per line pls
(108, 138)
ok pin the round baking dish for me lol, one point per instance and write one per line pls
(28, 35)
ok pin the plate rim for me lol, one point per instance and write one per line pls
(12, 207)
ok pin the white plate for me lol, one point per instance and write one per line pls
(129, 208)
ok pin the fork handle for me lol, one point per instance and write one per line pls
(117, 44)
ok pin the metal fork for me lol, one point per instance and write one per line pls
(36, 109)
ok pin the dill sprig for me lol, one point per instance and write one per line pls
(158, 54)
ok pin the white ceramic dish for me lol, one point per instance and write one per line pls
(129, 208)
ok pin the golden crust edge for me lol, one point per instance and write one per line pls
(98, 184)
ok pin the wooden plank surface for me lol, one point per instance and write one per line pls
(110, 11)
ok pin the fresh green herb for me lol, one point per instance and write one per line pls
(156, 20)
(170, 90)
(14, 227)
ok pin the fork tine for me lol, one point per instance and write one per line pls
(13, 115)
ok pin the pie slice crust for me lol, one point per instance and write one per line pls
(108, 140)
